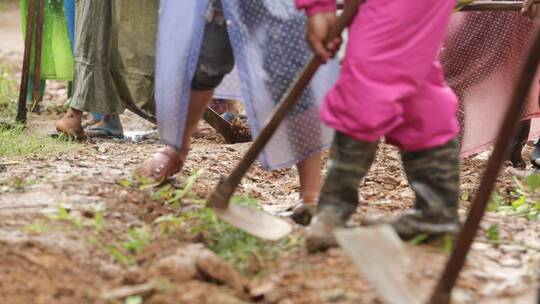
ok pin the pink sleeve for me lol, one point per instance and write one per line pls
(316, 6)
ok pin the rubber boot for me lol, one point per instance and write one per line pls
(434, 177)
(350, 161)
(518, 143)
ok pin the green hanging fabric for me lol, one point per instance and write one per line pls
(56, 56)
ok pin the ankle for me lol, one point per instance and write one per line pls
(309, 199)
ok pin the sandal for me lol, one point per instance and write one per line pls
(103, 132)
(301, 213)
(163, 164)
(94, 119)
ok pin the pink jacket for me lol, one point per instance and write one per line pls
(391, 84)
(316, 6)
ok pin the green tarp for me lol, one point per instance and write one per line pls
(56, 56)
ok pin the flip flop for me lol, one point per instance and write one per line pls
(163, 164)
(301, 213)
(103, 132)
(94, 119)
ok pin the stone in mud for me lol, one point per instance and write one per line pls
(212, 267)
(177, 268)
(195, 260)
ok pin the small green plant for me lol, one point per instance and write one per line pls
(134, 300)
(492, 233)
(16, 184)
(8, 92)
(124, 252)
(448, 244)
(78, 222)
(232, 244)
(126, 183)
(185, 191)
(523, 201)
(174, 197)
(37, 227)
(137, 239)
(99, 221)
(419, 239)
(168, 224)
(61, 214)
(114, 251)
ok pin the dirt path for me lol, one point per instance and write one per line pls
(75, 229)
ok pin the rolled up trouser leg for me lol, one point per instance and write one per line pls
(350, 161)
(433, 175)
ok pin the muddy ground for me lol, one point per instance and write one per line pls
(75, 229)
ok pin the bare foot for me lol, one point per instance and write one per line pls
(70, 123)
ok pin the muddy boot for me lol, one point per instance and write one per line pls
(434, 177)
(518, 142)
(320, 233)
(350, 161)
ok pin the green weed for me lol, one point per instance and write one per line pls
(37, 227)
(8, 92)
(99, 222)
(168, 224)
(137, 239)
(448, 244)
(16, 184)
(17, 142)
(419, 239)
(114, 251)
(492, 233)
(124, 252)
(173, 196)
(523, 201)
(134, 300)
(232, 244)
(61, 214)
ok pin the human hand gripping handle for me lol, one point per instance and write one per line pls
(318, 28)
(324, 30)
(529, 8)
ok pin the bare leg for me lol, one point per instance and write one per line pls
(309, 171)
(198, 103)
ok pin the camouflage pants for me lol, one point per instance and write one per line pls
(433, 175)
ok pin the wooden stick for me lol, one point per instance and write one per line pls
(494, 6)
(37, 53)
(443, 290)
(23, 91)
(487, 6)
